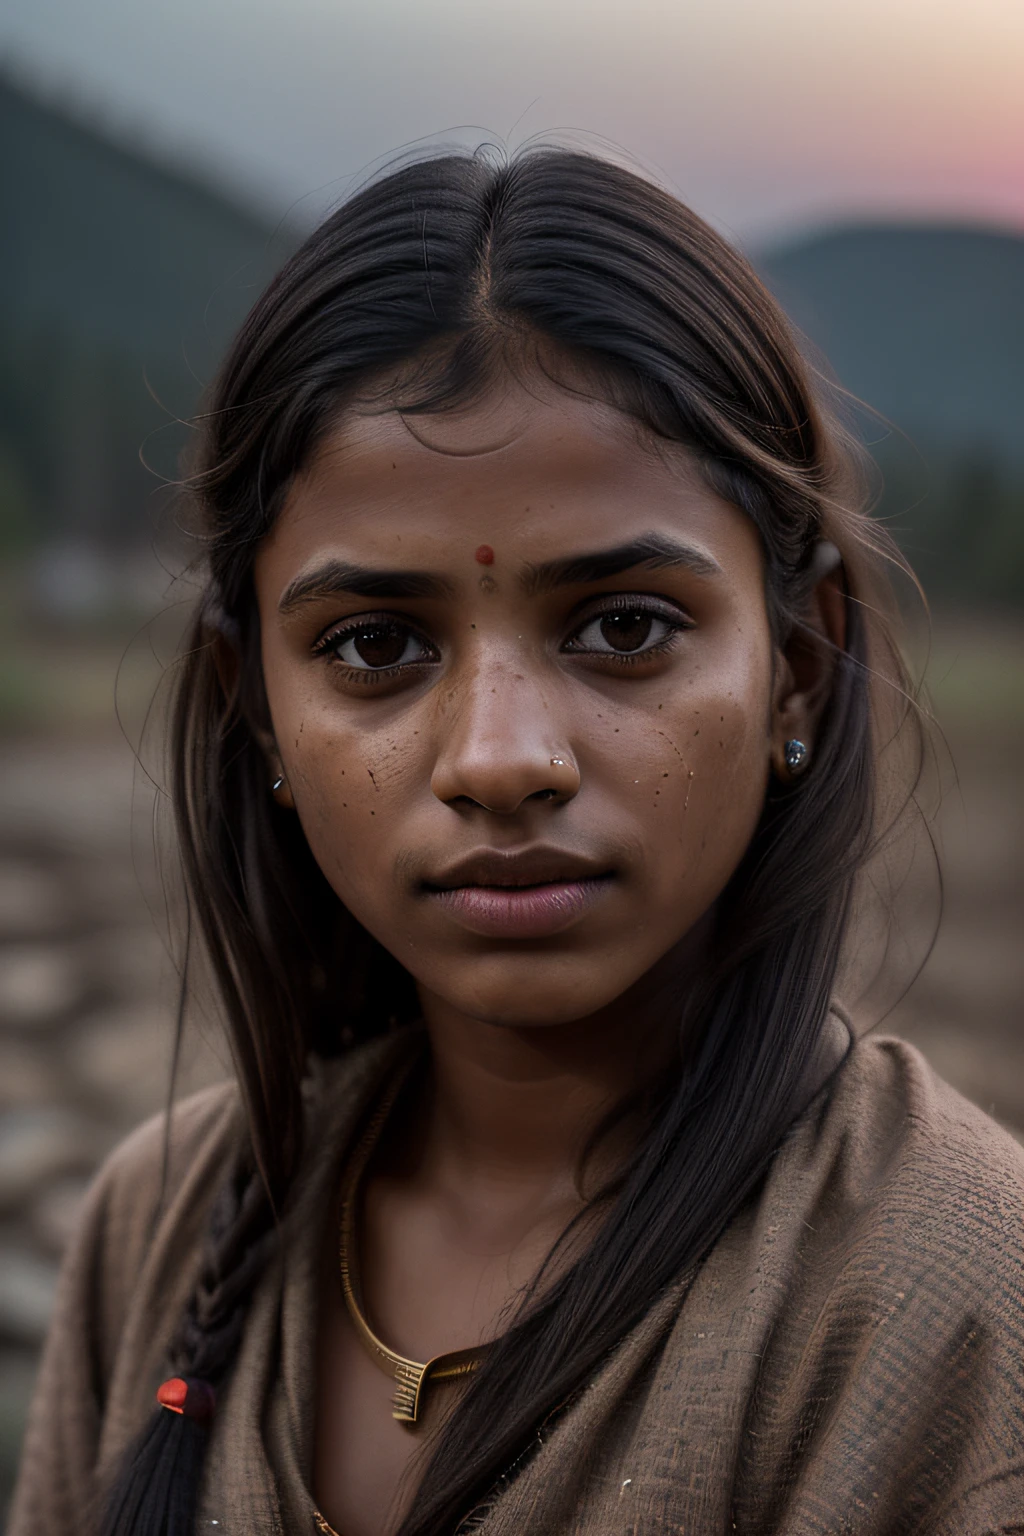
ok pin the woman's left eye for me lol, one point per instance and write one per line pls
(625, 632)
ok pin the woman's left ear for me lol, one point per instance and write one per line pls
(806, 665)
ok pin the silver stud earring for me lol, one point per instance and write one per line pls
(794, 755)
(277, 784)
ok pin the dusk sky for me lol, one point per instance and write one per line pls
(766, 115)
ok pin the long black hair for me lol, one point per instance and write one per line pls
(409, 294)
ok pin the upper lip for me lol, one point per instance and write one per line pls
(528, 866)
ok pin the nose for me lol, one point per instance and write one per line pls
(499, 747)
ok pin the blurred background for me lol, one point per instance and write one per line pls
(157, 162)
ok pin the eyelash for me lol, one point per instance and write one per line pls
(625, 603)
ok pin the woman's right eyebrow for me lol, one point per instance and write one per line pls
(336, 578)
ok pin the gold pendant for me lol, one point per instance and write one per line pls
(410, 1376)
(409, 1381)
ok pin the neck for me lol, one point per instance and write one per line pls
(518, 1104)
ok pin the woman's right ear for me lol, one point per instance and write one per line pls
(227, 662)
(277, 781)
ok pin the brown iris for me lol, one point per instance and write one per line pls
(379, 645)
(626, 631)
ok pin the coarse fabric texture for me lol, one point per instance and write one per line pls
(849, 1357)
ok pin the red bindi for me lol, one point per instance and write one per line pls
(485, 555)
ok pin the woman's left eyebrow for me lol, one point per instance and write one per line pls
(653, 550)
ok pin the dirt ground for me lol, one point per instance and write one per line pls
(87, 987)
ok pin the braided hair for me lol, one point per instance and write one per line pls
(158, 1490)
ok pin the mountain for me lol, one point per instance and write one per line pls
(923, 322)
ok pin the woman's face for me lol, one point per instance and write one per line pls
(521, 682)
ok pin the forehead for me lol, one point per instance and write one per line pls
(531, 469)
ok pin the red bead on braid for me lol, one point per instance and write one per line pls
(191, 1397)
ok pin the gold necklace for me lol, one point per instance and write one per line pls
(411, 1376)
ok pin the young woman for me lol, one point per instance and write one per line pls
(534, 728)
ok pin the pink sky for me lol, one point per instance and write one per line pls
(765, 114)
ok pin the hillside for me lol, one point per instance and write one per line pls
(120, 280)
(116, 249)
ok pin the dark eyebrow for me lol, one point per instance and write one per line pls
(335, 578)
(652, 550)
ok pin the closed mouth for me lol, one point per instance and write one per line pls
(531, 894)
(520, 870)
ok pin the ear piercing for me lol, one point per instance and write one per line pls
(794, 755)
(281, 793)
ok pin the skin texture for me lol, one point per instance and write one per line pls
(661, 766)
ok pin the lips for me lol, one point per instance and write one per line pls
(532, 893)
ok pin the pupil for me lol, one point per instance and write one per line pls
(381, 645)
(626, 631)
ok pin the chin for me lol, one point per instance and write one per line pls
(534, 1001)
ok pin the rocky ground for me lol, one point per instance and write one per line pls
(87, 987)
(87, 999)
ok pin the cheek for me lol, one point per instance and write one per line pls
(703, 774)
(349, 788)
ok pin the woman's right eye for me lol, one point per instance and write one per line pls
(379, 645)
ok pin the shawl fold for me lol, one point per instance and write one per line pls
(848, 1359)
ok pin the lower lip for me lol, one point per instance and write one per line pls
(521, 912)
